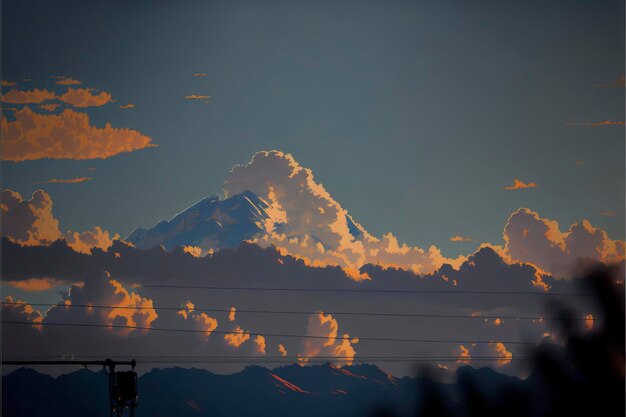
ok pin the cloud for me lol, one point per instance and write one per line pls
(129, 308)
(598, 124)
(589, 321)
(127, 106)
(197, 97)
(200, 74)
(67, 81)
(6, 83)
(459, 238)
(32, 223)
(68, 135)
(330, 345)
(201, 320)
(64, 181)
(84, 242)
(193, 251)
(35, 284)
(49, 106)
(85, 97)
(20, 311)
(533, 239)
(29, 222)
(237, 337)
(607, 213)
(28, 96)
(305, 221)
(520, 185)
(282, 350)
(259, 344)
(464, 355)
(231, 315)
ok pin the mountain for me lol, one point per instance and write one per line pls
(211, 223)
(255, 391)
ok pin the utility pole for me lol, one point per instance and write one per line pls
(122, 385)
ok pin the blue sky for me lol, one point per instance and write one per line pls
(414, 115)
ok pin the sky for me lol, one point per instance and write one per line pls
(414, 115)
(443, 146)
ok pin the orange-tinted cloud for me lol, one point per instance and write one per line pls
(199, 74)
(231, 315)
(68, 135)
(598, 124)
(520, 185)
(127, 106)
(589, 321)
(330, 345)
(459, 238)
(539, 241)
(306, 222)
(32, 223)
(20, 312)
(64, 181)
(237, 337)
(35, 284)
(194, 251)
(67, 81)
(260, 345)
(83, 242)
(29, 222)
(200, 320)
(28, 96)
(464, 355)
(85, 97)
(197, 97)
(6, 83)
(502, 353)
(49, 106)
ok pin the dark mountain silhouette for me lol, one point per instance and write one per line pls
(319, 390)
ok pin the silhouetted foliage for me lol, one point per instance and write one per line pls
(584, 377)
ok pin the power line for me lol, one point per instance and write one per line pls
(460, 292)
(338, 313)
(162, 329)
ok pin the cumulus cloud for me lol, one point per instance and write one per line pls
(85, 97)
(29, 222)
(64, 181)
(201, 320)
(231, 314)
(493, 351)
(305, 221)
(237, 337)
(85, 241)
(32, 223)
(128, 307)
(533, 239)
(68, 135)
(329, 345)
(520, 185)
(18, 310)
(28, 96)
(260, 345)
